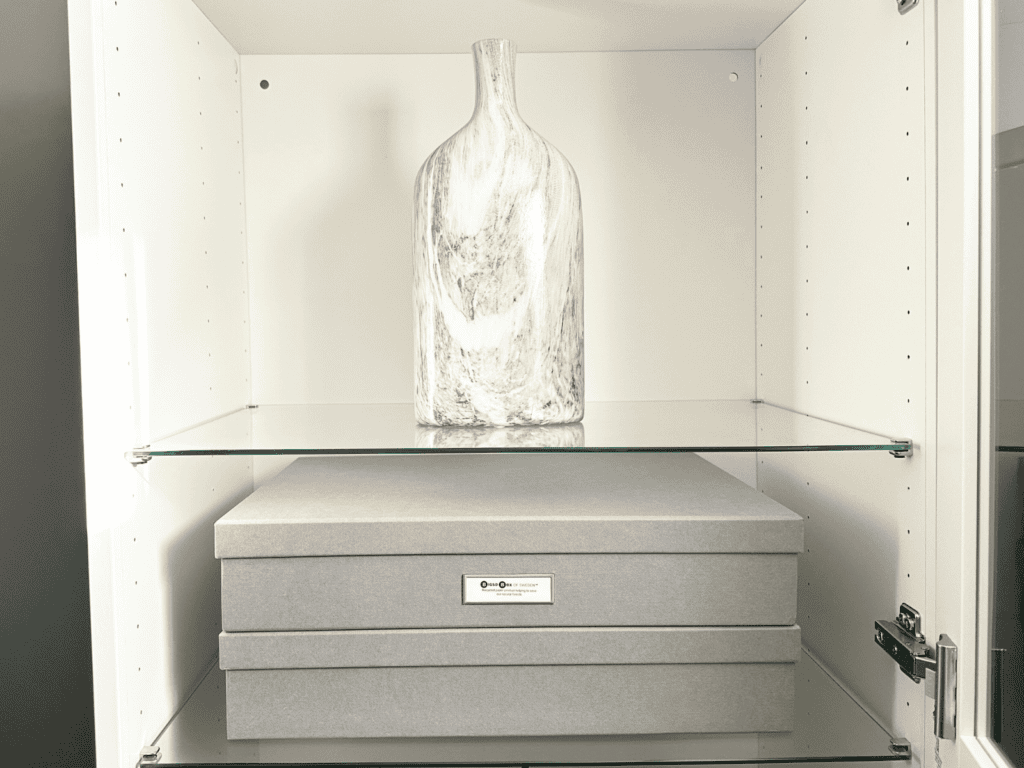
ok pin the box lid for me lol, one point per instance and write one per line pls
(505, 503)
(526, 646)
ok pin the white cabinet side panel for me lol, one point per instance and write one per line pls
(107, 422)
(168, 584)
(164, 328)
(662, 142)
(177, 210)
(842, 299)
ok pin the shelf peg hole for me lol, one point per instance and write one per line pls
(264, 84)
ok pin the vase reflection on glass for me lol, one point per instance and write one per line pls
(497, 268)
(519, 437)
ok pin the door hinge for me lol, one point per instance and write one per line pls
(906, 5)
(903, 641)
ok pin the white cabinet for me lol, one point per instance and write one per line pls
(779, 203)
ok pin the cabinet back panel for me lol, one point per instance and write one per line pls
(662, 142)
(842, 297)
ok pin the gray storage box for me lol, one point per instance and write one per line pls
(509, 682)
(666, 598)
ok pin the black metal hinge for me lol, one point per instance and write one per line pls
(903, 640)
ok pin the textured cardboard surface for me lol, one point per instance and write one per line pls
(507, 503)
(308, 593)
(509, 701)
(508, 646)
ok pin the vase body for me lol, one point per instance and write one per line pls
(497, 268)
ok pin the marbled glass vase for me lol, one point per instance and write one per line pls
(498, 268)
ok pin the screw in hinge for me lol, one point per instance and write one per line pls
(900, 747)
(905, 5)
(149, 756)
(909, 621)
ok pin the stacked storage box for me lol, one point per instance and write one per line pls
(508, 594)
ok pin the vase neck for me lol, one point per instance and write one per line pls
(495, 62)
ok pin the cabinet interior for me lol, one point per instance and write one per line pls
(764, 237)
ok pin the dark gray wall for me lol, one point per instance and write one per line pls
(46, 715)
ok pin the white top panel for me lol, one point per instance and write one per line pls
(451, 26)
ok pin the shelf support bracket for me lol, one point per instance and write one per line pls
(149, 756)
(137, 456)
(904, 449)
(900, 747)
(905, 5)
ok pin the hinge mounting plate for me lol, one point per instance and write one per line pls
(902, 639)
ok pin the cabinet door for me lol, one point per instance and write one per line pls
(979, 545)
(1001, 633)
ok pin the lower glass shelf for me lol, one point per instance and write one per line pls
(829, 727)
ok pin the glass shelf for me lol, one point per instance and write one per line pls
(687, 425)
(829, 727)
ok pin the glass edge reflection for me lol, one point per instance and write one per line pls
(872, 758)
